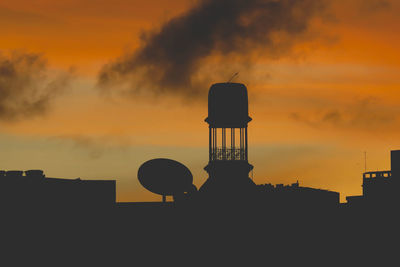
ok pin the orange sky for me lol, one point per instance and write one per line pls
(315, 110)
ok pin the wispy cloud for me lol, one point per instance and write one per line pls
(367, 114)
(95, 146)
(26, 89)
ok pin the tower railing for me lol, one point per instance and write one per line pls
(228, 154)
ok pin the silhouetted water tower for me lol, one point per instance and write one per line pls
(228, 166)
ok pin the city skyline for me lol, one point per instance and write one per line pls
(317, 106)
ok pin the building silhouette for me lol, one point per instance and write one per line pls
(380, 189)
(33, 189)
(294, 197)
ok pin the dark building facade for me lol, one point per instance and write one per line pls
(33, 188)
(380, 188)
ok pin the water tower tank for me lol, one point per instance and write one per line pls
(228, 105)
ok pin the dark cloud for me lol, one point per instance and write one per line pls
(25, 87)
(170, 59)
(366, 114)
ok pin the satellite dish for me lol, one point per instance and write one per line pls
(165, 177)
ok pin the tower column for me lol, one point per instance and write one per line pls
(210, 148)
(228, 166)
(246, 147)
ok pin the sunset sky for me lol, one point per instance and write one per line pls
(94, 88)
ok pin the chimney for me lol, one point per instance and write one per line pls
(395, 163)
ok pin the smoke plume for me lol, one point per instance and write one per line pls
(170, 59)
(25, 88)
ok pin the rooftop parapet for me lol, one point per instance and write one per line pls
(14, 173)
(18, 173)
(34, 173)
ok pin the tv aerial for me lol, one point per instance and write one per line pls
(233, 76)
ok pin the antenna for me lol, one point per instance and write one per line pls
(234, 75)
(365, 161)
